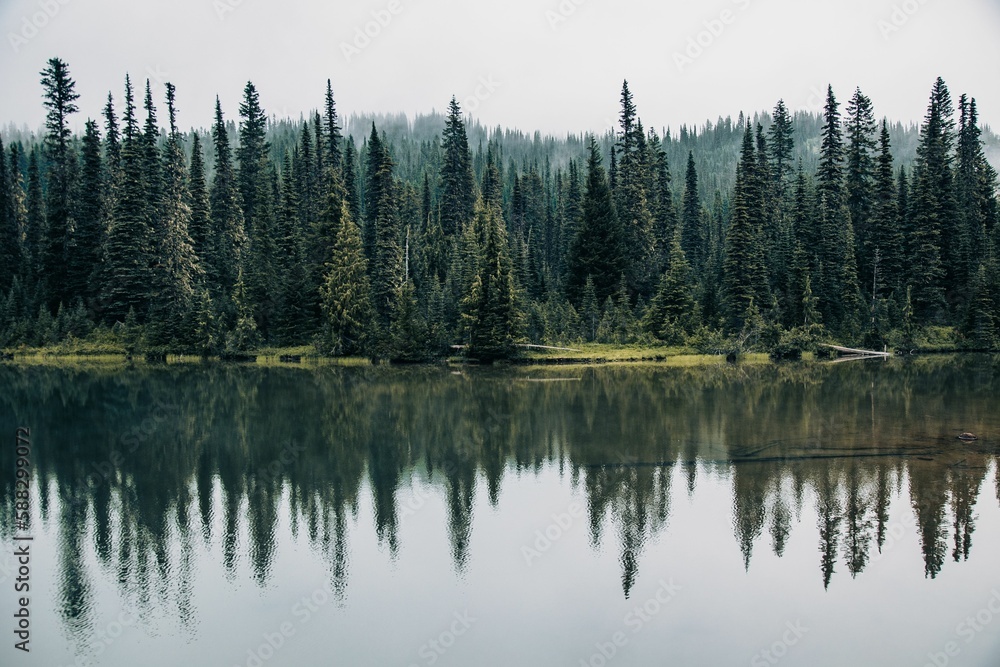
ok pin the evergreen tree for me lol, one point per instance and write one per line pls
(152, 164)
(176, 272)
(745, 279)
(598, 251)
(781, 146)
(693, 241)
(936, 237)
(10, 234)
(350, 169)
(490, 308)
(458, 185)
(345, 294)
(860, 175)
(331, 128)
(886, 243)
(228, 238)
(34, 228)
(200, 225)
(84, 244)
(673, 310)
(60, 103)
(128, 247)
(258, 214)
(295, 308)
(631, 197)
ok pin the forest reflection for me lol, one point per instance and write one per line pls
(141, 463)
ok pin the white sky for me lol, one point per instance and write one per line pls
(554, 76)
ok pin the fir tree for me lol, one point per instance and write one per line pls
(331, 130)
(10, 234)
(228, 239)
(598, 251)
(200, 225)
(85, 243)
(60, 103)
(860, 175)
(692, 239)
(458, 185)
(345, 294)
(128, 247)
(176, 273)
(781, 146)
(673, 310)
(745, 279)
(490, 308)
(350, 168)
(886, 243)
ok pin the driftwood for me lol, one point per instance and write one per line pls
(532, 347)
(862, 353)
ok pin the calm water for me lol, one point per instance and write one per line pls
(722, 515)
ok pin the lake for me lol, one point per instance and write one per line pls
(762, 514)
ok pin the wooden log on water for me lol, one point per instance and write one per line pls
(849, 350)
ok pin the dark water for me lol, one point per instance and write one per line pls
(720, 515)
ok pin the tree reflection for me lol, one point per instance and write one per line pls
(149, 466)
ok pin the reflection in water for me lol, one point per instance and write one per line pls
(142, 463)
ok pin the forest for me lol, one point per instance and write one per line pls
(772, 233)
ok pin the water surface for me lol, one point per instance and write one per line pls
(805, 514)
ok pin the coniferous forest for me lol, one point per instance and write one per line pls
(772, 233)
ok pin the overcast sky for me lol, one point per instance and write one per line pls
(549, 65)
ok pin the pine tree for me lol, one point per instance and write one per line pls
(745, 278)
(458, 186)
(60, 103)
(860, 175)
(598, 251)
(975, 186)
(693, 241)
(664, 213)
(350, 168)
(935, 240)
(631, 197)
(176, 274)
(295, 309)
(128, 247)
(85, 243)
(34, 229)
(258, 214)
(781, 147)
(490, 308)
(10, 234)
(331, 128)
(152, 164)
(673, 310)
(223, 258)
(886, 242)
(345, 294)
(200, 225)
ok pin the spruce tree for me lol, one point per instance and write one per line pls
(10, 234)
(228, 239)
(258, 214)
(128, 247)
(295, 309)
(490, 307)
(458, 186)
(598, 252)
(345, 294)
(34, 227)
(331, 130)
(693, 241)
(886, 245)
(781, 145)
(176, 274)
(673, 310)
(350, 169)
(85, 244)
(860, 175)
(60, 103)
(745, 278)
(664, 213)
(200, 225)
